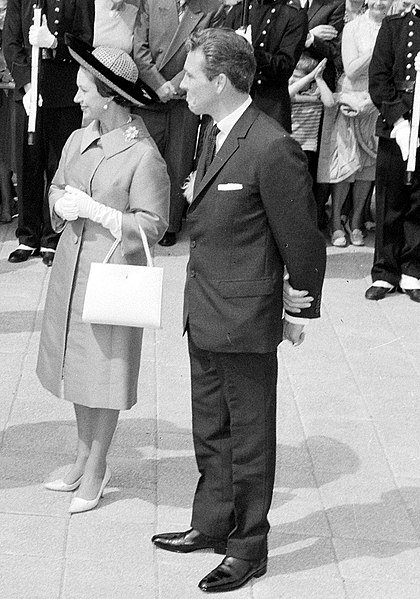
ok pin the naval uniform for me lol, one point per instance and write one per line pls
(58, 116)
(279, 31)
(391, 83)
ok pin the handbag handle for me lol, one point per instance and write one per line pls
(145, 246)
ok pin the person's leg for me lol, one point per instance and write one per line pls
(339, 192)
(103, 423)
(391, 204)
(361, 191)
(212, 512)
(84, 442)
(249, 386)
(30, 171)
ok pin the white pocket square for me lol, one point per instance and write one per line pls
(229, 186)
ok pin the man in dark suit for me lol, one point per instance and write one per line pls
(56, 118)
(278, 30)
(161, 29)
(251, 214)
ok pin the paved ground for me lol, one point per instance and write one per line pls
(346, 508)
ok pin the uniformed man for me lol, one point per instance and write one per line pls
(279, 30)
(56, 118)
(392, 76)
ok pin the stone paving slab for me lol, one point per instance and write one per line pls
(346, 505)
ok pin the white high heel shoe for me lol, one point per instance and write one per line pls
(60, 485)
(78, 504)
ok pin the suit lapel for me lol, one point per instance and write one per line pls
(188, 23)
(228, 149)
(313, 9)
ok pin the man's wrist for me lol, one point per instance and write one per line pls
(295, 319)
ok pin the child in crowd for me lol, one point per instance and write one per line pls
(308, 93)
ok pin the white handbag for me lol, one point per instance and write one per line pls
(124, 294)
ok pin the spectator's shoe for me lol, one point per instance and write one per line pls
(22, 254)
(168, 239)
(378, 293)
(47, 257)
(356, 237)
(413, 294)
(232, 574)
(188, 541)
(338, 239)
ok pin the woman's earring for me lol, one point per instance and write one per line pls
(105, 106)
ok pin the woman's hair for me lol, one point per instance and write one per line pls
(225, 52)
(106, 92)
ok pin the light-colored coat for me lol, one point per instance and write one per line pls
(123, 169)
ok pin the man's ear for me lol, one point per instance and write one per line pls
(222, 81)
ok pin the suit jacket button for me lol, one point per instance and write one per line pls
(193, 243)
(192, 274)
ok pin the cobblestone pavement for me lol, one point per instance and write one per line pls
(346, 509)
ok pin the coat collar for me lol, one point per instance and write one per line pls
(231, 144)
(117, 140)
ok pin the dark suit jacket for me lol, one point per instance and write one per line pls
(279, 30)
(58, 74)
(327, 12)
(252, 213)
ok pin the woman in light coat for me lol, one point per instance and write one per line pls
(111, 179)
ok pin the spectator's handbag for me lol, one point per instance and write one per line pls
(124, 294)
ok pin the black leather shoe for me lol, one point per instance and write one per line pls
(168, 239)
(378, 293)
(232, 574)
(48, 258)
(413, 294)
(21, 255)
(188, 541)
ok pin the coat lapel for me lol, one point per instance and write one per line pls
(313, 9)
(228, 149)
(189, 22)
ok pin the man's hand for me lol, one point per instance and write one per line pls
(166, 92)
(293, 332)
(324, 32)
(42, 36)
(293, 300)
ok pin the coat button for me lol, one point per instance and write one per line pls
(193, 243)
(192, 274)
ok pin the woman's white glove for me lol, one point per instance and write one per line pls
(401, 134)
(108, 217)
(66, 208)
(42, 36)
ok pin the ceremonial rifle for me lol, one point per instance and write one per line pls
(34, 81)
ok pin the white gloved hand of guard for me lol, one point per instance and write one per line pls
(401, 134)
(246, 33)
(42, 36)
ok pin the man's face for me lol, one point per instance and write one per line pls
(201, 92)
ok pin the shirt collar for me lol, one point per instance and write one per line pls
(226, 124)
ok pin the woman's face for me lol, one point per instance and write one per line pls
(90, 100)
(379, 8)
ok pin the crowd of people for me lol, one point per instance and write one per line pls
(269, 109)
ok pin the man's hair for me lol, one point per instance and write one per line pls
(225, 52)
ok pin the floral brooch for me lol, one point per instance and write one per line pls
(131, 133)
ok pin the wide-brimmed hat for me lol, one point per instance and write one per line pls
(114, 67)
